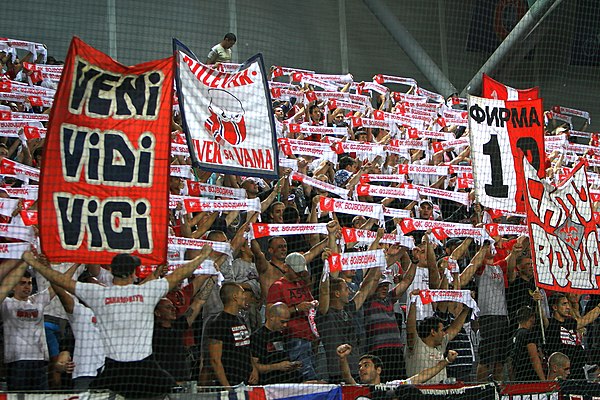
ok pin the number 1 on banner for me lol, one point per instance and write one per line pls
(497, 188)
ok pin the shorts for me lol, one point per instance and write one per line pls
(494, 333)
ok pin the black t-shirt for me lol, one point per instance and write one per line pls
(268, 347)
(235, 357)
(562, 336)
(517, 296)
(336, 328)
(169, 351)
(522, 367)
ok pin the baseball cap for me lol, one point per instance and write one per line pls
(296, 262)
(383, 280)
(425, 201)
(123, 265)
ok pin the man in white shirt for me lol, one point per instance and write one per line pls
(221, 52)
(125, 314)
(25, 349)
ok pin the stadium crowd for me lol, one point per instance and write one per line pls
(271, 312)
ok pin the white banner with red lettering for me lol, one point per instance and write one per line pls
(258, 231)
(370, 210)
(357, 260)
(25, 192)
(181, 243)
(455, 296)
(192, 204)
(13, 251)
(564, 239)
(387, 191)
(352, 235)
(203, 189)
(21, 171)
(328, 187)
(20, 232)
(227, 116)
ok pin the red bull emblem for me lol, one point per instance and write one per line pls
(226, 120)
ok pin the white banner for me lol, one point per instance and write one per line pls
(227, 116)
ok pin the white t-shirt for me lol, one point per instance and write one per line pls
(420, 282)
(88, 354)
(125, 315)
(222, 55)
(24, 334)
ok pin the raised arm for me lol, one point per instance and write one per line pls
(16, 270)
(429, 373)
(55, 277)
(343, 351)
(460, 251)
(367, 286)
(476, 262)
(186, 269)
(315, 251)
(589, 317)
(406, 281)
(457, 324)
(65, 298)
(434, 275)
(411, 323)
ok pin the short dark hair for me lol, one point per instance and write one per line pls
(335, 284)
(123, 265)
(230, 36)
(312, 107)
(228, 290)
(374, 359)
(271, 238)
(524, 314)
(425, 326)
(212, 235)
(555, 299)
(346, 161)
(26, 274)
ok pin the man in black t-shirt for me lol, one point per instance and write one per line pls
(229, 340)
(520, 284)
(561, 334)
(526, 362)
(268, 351)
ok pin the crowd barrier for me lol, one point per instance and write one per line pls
(565, 390)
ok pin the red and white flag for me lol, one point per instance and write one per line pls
(492, 89)
(564, 238)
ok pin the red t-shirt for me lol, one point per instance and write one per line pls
(291, 294)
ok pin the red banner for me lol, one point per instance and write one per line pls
(493, 89)
(104, 182)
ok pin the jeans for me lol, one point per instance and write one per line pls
(27, 375)
(301, 350)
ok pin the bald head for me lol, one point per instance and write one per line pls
(278, 316)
